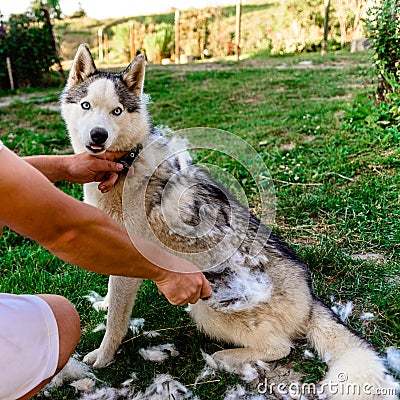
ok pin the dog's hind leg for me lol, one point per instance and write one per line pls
(122, 294)
(259, 334)
(233, 359)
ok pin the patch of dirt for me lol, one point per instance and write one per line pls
(6, 101)
(54, 106)
(27, 98)
(369, 257)
(251, 63)
(287, 146)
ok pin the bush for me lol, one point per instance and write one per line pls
(365, 116)
(27, 39)
(384, 29)
(119, 51)
(159, 44)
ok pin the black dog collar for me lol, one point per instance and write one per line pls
(129, 158)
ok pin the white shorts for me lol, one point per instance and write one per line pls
(29, 344)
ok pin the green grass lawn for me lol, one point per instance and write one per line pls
(336, 189)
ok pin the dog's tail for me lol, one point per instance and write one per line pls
(355, 370)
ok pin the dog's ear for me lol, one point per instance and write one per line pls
(82, 67)
(133, 76)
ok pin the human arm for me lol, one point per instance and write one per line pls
(82, 235)
(80, 168)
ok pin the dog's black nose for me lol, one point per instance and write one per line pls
(98, 135)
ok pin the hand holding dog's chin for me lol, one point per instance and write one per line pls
(85, 168)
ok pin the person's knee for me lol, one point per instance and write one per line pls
(68, 323)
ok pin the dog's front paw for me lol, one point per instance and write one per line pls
(98, 359)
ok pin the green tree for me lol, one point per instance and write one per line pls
(52, 5)
(27, 39)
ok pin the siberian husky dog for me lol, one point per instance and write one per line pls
(261, 300)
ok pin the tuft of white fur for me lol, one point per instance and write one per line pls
(208, 370)
(136, 325)
(263, 365)
(246, 289)
(93, 297)
(84, 385)
(308, 354)
(343, 311)
(74, 370)
(246, 371)
(204, 373)
(151, 334)
(159, 353)
(238, 392)
(209, 360)
(164, 387)
(129, 381)
(100, 327)
(107, 393)
(98, 302)
(393, 358)
(367, 316)
(146, 99)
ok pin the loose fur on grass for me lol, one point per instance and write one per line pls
(159, 353)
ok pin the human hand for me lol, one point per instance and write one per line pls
(178, 279)
(181, 288)
(85, 167)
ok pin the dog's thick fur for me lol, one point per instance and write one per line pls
(262, 301)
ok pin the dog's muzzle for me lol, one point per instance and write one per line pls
(98, 138)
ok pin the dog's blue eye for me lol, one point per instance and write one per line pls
(117, 111)
(85, 105)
